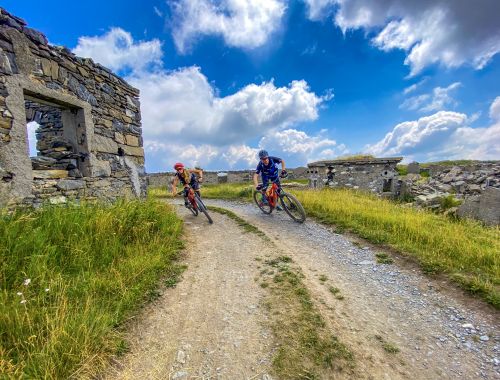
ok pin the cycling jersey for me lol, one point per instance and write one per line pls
(269, 172)
(193, 182)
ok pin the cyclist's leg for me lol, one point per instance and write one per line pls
(277, 181)
(185, 195)
(196, 188)
(265, 184)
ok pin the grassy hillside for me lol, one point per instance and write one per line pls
(71, 275)
(463, 249)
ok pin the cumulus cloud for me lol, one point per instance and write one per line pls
(242, 23)
(495, 109)
(437, 101)
(448, 32)
(182, 104)
(117, 50)
(184, 118)
(301, 146)
(443, 135)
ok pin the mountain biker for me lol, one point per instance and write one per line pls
(268, 169)
(187, 177)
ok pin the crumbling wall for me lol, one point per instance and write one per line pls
(213, 177)
(90, 136)
(376, 175)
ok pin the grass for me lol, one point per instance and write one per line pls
(70, 276)
(307, 348)
(383, 258)
(388, 347)
(465, 250)
(240, 221)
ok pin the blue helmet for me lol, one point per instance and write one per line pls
(263, 154)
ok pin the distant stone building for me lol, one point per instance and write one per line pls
(374, 174)
(89, 136)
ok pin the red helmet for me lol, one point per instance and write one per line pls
(178, 166)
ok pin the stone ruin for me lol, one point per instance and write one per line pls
(89, 136)
(476, 186)
(377, 175)
(212, 177)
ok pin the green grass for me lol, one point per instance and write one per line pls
(307, 348)
(90, 268)
(465, 250)
(383, 258)
(240, 221)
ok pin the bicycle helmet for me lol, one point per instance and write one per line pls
(178, 166)
(263, 154)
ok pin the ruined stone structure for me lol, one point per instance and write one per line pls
(378, 175)
(212, 177)
(89, 136)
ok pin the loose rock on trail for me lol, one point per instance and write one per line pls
(399, 323)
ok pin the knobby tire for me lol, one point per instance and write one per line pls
(257, 197)
(203, 208)
(294, 202)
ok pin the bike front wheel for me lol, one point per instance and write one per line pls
(258, 197)
(292, 207)
(203, 208)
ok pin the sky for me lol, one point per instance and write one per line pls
(303, 79)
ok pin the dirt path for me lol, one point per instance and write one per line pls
(211, 325)
(438, 332)
(398, 323)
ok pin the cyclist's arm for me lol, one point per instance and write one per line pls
(174, 186)
(255, 179)
(283, 165)
(199, 172)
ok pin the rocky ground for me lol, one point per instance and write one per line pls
(398, 322)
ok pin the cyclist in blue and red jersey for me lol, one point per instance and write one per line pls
(187, 178)
(269, 171)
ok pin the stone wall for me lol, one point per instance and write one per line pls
(213, 177)
(89, 135)
(378, 175)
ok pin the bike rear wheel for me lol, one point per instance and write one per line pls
(264, 207)
(292, 207)
(203, 208)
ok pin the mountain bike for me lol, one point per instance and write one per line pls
(267, 201)
(195, 204)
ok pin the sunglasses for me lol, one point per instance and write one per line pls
(264, 158)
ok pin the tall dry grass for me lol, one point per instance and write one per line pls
(70, 276)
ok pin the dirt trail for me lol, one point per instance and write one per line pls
(211, 325)
(398, 323)
(438, 332)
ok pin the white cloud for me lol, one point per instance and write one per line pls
(414, 87)
(182, 104)
(452, 33)
(319, 9)
(300, 146)
(443, 135)
(441, 98)
(240, 154)
(242, 23)
(157, 11)
(117, 50)
(184, 118)
(495, 109)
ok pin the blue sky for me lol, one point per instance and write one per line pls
(305, 79)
